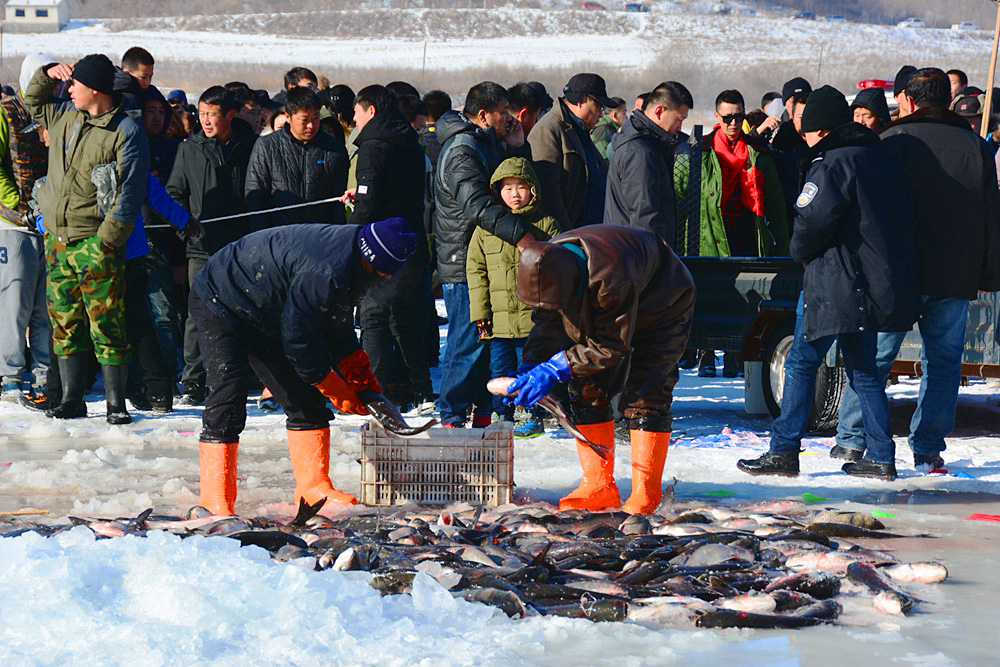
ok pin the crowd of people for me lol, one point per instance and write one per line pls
(547, 226)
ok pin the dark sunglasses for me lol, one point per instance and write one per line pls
(736, 117)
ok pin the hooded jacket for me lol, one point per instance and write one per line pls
(469, 156)
(636, 289)
(640, 178)
(285, 171)
(110, 149)
(492, 263)
(296, 283)
(391, 170)
(952, 176)
(772, 228)
(854, 234)
(208, 182)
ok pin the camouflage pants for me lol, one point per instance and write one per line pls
(86, 289)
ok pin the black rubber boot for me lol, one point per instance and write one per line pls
(866, 468)
(73, 373)
(846, 453)
(771, 464)
(115, 381)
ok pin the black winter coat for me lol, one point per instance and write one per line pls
(787, 149)
(208, 183)
(462, 194)
(953, 179)
(391, 169)
(640, 178)
(296, 283)
(853, 231)
(284, 171)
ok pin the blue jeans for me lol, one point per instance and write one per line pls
(942, 327)
(505, 357)
(465, 368)
(162, 294)
(801, 367)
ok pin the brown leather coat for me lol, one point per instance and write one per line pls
(637, 305)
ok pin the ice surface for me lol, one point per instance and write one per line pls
(76, 600)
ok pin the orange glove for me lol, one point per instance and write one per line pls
(341, 395)
(357, 370)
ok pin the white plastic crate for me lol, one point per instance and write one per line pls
(438, 467)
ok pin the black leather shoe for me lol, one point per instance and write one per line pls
(846, 453)
(866, 468)
(771, 464)
(934, 461)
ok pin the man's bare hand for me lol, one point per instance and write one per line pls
(62, 72)
(769, 125)
(349, 196)
(194, 229)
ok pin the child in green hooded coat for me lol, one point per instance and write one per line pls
(491, 271)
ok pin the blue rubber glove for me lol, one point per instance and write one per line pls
(534, 385)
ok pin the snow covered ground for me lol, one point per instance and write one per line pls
(206, 601)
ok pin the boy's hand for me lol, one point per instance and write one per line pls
(485, 329)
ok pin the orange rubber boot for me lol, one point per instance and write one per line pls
(217, 461)
(649, 452)
(310, 453)
(597, 490)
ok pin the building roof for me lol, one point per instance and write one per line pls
(34, 3)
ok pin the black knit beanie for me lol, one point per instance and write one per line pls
(96, 72)
(825, 109)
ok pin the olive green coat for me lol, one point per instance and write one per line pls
(98, 168)
(491, 267)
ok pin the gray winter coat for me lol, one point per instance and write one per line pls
(640, 178)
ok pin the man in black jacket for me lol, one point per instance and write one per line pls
(297, 164)
(854, 235)
(390, 173)
(472, 150)
(956, 223)
(207, 180)
(281, 302)
(640, 176)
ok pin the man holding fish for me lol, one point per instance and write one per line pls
(612, 311)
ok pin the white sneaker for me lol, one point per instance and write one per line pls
(11, 393)
(422, 405)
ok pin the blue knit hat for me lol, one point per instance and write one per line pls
(387, 244)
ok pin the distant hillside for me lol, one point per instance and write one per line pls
(940, 13)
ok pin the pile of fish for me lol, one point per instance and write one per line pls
(769, 565)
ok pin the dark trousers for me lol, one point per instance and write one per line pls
(140, 332)
(392, 316)
(232, 350)
(194, 368)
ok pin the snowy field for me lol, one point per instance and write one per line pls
(432, 48)
(206, 601)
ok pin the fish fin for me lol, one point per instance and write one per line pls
(307, 511)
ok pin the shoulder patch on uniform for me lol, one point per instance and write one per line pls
(809, 192)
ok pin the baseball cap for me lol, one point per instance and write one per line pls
(590, 84)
